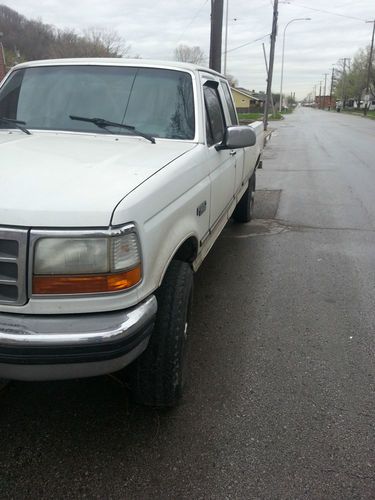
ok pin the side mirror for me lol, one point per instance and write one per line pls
(240, 136)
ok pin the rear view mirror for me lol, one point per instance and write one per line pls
(240, 136)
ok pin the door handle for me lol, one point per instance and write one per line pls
(233, 153)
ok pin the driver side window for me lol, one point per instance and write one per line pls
(215, 126)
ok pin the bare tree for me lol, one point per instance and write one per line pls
(26, 40)
(233, 82)
(194, 55)
(108, 43)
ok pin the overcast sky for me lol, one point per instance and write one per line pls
(155, 28)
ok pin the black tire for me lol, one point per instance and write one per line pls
(157, 377)
(3, 383)
(245, 207)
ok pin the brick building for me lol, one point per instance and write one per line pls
(325, 101)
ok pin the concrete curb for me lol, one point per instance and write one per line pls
(266, 137)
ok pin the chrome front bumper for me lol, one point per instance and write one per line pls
(70, 346)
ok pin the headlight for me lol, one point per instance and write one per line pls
(70, 265)
(71, 256)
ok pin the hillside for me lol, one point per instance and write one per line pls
(28, 39)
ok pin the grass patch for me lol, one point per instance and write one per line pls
(287, 111)
(370, 114)
(276, 116)
(259, 116)
(359, 112)
(250, 116)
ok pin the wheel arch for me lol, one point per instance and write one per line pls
(185, 251)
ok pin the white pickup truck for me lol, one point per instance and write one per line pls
(116, 178)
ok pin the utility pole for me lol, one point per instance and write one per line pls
(325, 89)
(216, 34)
(369, 67)
(331, 91)
(344, 81)
(270, 69)
(320, 95)
(266, 63)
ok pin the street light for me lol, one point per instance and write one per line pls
(282, 57)
(226, 35)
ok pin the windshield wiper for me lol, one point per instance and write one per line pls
(102, 123)
(17, 123)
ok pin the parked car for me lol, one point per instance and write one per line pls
(117, 178)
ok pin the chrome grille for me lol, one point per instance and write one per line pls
(13, 250)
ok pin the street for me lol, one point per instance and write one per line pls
(280, 402)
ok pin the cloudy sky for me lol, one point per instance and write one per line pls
(154, 28)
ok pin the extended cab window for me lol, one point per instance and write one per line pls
(215, 119)
(158, 102)
(229, 101)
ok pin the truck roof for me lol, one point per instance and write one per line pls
(107, 61)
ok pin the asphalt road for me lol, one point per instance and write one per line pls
(281, 402)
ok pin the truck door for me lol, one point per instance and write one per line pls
(231, 119)
(221, 163)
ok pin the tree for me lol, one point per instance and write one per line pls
(194, 55)
(12, 58)
(356, 81)
(352, 82)
(106, 43)
(26, 40)
(233, 82)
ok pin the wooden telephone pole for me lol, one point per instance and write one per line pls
(270, 69)
(369, 66)
(216, 34)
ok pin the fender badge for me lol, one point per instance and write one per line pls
(201, 208)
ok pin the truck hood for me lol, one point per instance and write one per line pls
(74, 180)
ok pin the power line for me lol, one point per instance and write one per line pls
(325, 11)
(192, 20)
(249, 43)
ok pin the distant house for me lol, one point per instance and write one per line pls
(246, 102)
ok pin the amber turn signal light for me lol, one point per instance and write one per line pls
(96, 283)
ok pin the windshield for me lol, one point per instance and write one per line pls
(157, 102)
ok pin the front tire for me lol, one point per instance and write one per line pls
(245, 207)
(157, 377)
